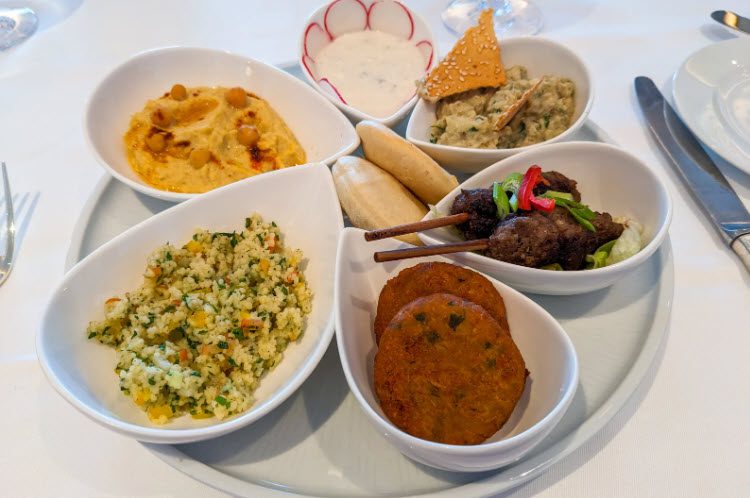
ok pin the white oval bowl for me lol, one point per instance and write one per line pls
(82, 370)
(548, 352)
(324, 133)
(540, 56)
(391, 16)
(609, 179)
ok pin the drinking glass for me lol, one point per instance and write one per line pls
(512, 17)
(16, 25)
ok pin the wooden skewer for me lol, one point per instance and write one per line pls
(511, 112)
(416, 252)
(418, 226)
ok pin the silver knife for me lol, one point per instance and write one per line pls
(698, 171)
(732, 20)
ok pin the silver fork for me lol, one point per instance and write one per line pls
(6, 260)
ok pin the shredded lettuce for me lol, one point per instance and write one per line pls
(628, 244)
(619, 249)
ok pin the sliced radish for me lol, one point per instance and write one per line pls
(329, 88)
(310, 66)
(315, 39)
(391, 17)
(345, 16)
(427, 52)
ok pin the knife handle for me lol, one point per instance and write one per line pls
(741, 247)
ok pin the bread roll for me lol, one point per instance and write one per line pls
(412, 167)
(372, 198)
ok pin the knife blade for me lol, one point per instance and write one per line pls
(731, 20)
(697, 170)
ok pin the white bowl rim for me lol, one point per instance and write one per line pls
(482, 448)
(633, 261)
(574, 126)
(387, 120)
(143, 187)
(178, 436)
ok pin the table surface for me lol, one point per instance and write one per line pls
(684, 432)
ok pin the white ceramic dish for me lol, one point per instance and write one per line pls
(617, 333)
(346, 16)
(711, 92)
(544, 345)
(540, 56)
(324, 133)
(82, 370)
(609, 179)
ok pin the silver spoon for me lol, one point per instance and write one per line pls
(16, 25)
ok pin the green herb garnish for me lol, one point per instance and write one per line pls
(501, 200)
(581, 212)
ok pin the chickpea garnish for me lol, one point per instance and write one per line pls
(161, 117)
(248, 135)
(156, 142)
(178, 92)
(236, 97)
(199, 157)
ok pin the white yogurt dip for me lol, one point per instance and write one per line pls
(373, 71)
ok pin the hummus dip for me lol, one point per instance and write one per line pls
(196, 139)
(468, 119)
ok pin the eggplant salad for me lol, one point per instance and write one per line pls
(537, 220)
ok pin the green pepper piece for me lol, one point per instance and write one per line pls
(512, 182)
(558, 196)
(501, 200)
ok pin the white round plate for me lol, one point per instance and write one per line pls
(711, 91)
(319, 442)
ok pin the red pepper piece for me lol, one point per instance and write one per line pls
(526, 190)
(543, 204)
(526, 199)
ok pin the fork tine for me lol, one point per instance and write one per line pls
(9, 222)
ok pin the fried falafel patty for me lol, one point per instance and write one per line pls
(447, 372)
(433, 278)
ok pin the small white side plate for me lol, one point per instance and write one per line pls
(711, 91)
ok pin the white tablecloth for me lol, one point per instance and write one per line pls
(684, 433)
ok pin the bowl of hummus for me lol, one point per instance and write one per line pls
(173, 123)
(460, 131)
